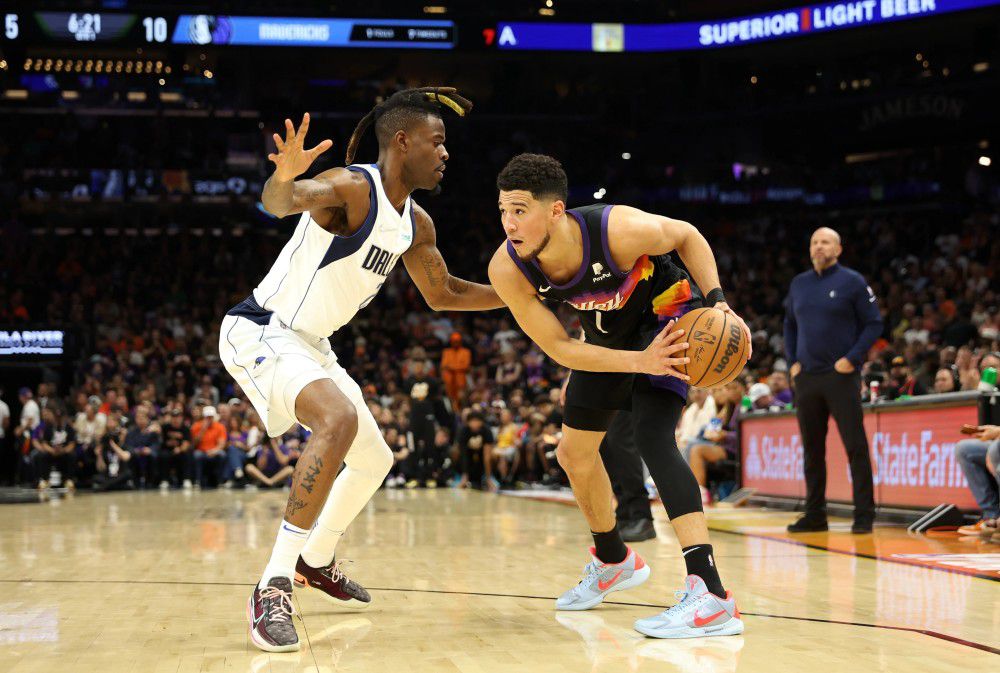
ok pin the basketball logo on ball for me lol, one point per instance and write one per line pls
(718, 347)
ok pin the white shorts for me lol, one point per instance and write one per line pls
(272, 364)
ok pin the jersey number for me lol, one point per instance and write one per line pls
(597, 315)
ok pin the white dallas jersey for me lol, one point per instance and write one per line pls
(321, 280)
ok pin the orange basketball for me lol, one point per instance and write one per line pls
(718, 347)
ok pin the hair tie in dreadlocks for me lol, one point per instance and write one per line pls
(428, 99)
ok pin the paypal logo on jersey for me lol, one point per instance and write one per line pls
(379, 261)
(599, 274)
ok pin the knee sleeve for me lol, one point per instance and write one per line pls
(655, 414)
(369, 453)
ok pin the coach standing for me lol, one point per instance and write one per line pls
(831, 320)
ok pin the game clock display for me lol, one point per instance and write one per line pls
(33, 28)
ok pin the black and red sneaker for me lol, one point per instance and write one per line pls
(269, 612)
(333, 584)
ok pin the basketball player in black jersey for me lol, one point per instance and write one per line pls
(611, 264)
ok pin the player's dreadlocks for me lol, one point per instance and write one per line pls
(398, 111)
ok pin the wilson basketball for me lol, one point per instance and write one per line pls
(718, 347)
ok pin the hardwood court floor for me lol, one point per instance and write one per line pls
(462, 581)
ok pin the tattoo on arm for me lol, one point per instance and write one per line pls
(458, 285)
(434, 268)
(309, 193)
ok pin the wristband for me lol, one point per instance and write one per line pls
(715, 297)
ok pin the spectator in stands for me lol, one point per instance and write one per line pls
(400, 452)
(778, 382)
(90, 424)
(509, 372)
(113, 462)
(968, 372)
(236, 450)
(718, 443)
(761, 397)
(54, 449)
(475, 442)
(946, 380)
(31, 413)
(979, 458)
(505, 454)
(902, 381)
(456, 361)
(275, 463)
(142, 442)
(699, 411)
(176, 456)
(209, 439)
(423, 391)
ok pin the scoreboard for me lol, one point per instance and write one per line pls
(122, 29)
(153, 28)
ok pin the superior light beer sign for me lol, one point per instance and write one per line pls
(807, 19)
(820, 18)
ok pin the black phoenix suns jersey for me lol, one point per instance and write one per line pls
(618, 308)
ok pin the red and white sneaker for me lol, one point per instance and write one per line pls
(601, 579)
(698, 613)
(269, 612)
(332, 584)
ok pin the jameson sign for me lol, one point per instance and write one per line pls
(909, 108)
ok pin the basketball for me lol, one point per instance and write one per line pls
(718, 347)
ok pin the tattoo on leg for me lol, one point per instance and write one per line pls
(294, 505)
(309, 478)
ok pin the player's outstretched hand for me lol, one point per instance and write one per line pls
(662, 356)
(292, 160)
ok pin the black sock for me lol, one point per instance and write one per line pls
(608, 547)
(700, 562)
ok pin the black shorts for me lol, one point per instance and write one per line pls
(593, 399)
(600, 390)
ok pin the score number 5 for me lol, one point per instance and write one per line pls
(10, 27)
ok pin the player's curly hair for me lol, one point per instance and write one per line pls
(403, 108)
(539, 174)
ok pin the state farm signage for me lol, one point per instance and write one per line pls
(913, 456)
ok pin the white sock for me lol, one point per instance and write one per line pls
(368, 461)
(285, 554)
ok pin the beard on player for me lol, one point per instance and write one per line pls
(533, 254)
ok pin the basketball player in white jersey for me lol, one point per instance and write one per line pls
(356, 223)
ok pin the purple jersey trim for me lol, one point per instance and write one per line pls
(605, 215)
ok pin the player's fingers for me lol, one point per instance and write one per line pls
(273, 157)
(677, 361)
(301, 135)
(665, 331)
(279, 143)
(670, 371)
(672, 336)
(289, 131)
(319, 149)
(676, 348)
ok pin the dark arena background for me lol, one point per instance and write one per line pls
(140, 489)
